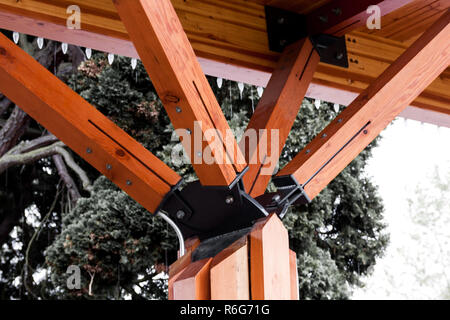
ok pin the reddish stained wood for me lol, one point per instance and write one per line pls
(269, 260)
(78, 124)
(230, 273)
(167, 54)
(353, 15)
(294, 275)
(194, 282)
(277, 110)
(177, 268)
(373, 109)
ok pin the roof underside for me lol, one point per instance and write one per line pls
(230, 39)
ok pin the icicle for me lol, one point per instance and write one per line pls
(219, 82)
(64, 47)
(133, 63)
(110, 58)
(88, 53)
(336, 107)
(16, 37)
(317, 103)
(260, 91)
(241, 88)
(40, 42)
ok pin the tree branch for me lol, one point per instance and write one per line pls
(13, 130)
(65, 176)
(76, 168)
(27, 146)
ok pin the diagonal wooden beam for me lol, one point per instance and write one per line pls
(275, 114)
(167, 54)
(83, 128)
(288, 85)
(346, 136)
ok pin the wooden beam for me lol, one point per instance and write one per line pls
(294, 275)
(269, 260)
(230, 273)
(83, 128)
(194, 282)
(281, 101)
(275, 114)
(230, 40)
(166, 52)
(341, 141)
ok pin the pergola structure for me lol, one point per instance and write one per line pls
(237, 247)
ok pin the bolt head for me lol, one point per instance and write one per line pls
(180, 214)
(229, 200)
(177, 109)
(276, 198)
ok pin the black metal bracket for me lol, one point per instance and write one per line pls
(289, 192)
(207, 212)
(286, 27)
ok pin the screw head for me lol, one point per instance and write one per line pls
(366, 131)
(324, 135)
(108, 166)
(229, 200)
(339, 56)
(188, 131)
(180, 214)
(280, 20)
(283, 42)
(129, 183)
(308, 151)
(177, 109)
(88, 150)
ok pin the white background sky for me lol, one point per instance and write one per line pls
(405, 158)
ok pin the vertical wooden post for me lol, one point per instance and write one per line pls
(269, 260)
(258, 266)
(229, 273)
(294, 275)
(194, 282)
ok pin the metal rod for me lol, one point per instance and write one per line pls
(177, 231)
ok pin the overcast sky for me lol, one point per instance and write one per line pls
(406, 157)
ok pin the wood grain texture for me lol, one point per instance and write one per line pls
(78, 124)
(269, 260)
(277, 110)
(230, 38)
(294, 275)
(178, 267)
(194, 282)
(373, 109)
(180, 82)
(230, 273)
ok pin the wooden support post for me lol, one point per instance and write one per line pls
(276, 113)
(194, 282)
(83, 128)
(257, 266)
(345, 137)
(270, 260)
(230, 273)
(166, 52)
(294, 275)
(177, 268)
